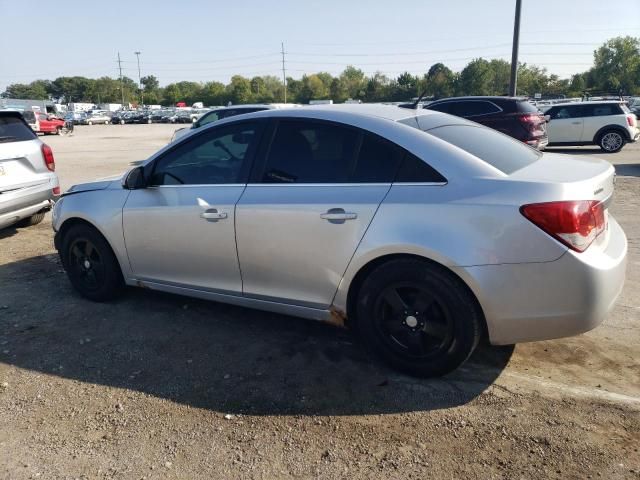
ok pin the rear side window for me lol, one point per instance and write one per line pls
(416, 170)
(600, 110)
(496, 149)
(310, 152)
(13, 129)
(378, 160)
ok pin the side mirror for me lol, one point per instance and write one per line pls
(547, 118)
(134, 180)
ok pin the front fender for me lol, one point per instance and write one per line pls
(103, 210)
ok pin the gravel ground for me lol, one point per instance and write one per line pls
(157, 386)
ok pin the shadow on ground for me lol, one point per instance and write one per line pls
(210, 355)
(628, 169)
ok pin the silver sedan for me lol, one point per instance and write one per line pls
(421, 231)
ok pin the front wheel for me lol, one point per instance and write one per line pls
(34, 219)
(90, 263)
(611, 141)
(418, 317)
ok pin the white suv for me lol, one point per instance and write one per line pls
(607, 124)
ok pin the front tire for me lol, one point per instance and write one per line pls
(90, 263)
(418, 317)
(611, 141)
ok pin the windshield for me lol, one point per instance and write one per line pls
(495, 148)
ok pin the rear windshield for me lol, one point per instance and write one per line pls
(13, 129)
(495, 148)
(526, 107)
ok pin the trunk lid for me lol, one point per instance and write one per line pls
(581, 178)
(22, 165)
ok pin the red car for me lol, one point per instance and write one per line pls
(48, 124)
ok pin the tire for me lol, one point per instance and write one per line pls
(149, 120)
(89, 122)
(611, 141)
(107, 122)
(32, 220)
(90, 264)
(121, 122)
(418, 317)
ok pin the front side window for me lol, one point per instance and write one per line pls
(208, 118)
(216, 157)
(310, 152)
(563, 113)
(474, 108)
(444, 107)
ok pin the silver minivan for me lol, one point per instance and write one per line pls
(28, 183)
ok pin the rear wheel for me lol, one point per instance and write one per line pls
(418, 317)
(32, 220)
(89, 122)
(90, 263)
(107, 122)
(611, 141)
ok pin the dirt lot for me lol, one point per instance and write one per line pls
(157, 386)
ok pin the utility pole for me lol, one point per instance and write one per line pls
(284, 75)
(140, 79)
(513, 84)
(121, 87)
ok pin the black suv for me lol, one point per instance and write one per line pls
(512, 116)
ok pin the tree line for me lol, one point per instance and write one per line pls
(616, 68)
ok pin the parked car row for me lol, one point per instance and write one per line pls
(605, 123)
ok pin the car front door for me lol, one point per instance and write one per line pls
(306, 208)
(179, 230)
(46, 125)
(565, 124)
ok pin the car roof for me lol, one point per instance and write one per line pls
(589, 102)
(11, 113)
(496, 98)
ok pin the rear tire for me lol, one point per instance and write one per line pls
(90, 263)
(418, 317)
(32, 220)
(611, 141)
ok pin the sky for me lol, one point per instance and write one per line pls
(203, 40)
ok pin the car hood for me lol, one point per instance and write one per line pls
(101, 184)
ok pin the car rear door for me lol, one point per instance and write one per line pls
(306, 208)
(180, 229)
(565, 124)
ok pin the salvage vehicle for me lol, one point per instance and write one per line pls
(422, 231)
(28, 182)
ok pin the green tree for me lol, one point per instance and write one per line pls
(617, 65)
(213, 93)
(440, 81)
(353, 83)
(501, 76)
(475, 78)
(151, 89)
(313, 88)
(378, 88)
(239, 90)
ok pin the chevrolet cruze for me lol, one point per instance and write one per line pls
(419, 230)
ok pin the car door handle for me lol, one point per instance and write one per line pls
(338, 214)
(213, 214)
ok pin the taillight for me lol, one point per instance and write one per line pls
(630, 120)
(531, 121)
(575, 223)
(49, 161)
(56, 190)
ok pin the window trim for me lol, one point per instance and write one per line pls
(252, 152)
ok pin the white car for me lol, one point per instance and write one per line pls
(608, 124)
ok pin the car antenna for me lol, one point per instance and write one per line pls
(417, 102)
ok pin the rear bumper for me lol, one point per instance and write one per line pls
(541, 301)
(14, 206)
